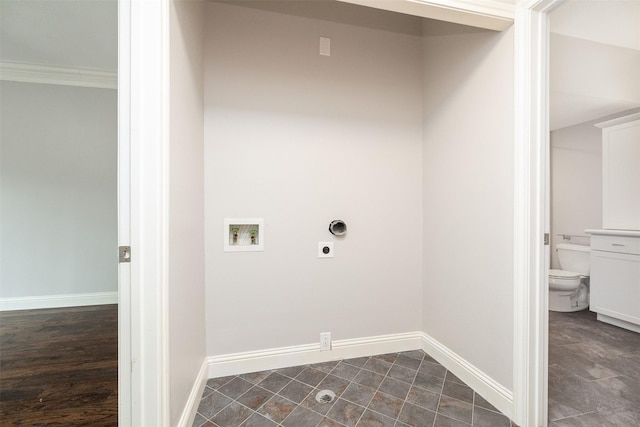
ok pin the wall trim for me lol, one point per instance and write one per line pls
(58, 301)
(531, 212)
(45, 74)
(275, 358)
(488, 14)
(191, 407)
(494, 392)
(148, 58)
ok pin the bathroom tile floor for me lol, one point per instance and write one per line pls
(408, 389)
(594, 372)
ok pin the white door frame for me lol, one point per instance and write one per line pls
(531, 216)
(143, 184)
(124, 214)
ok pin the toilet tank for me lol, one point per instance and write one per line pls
(574, 258)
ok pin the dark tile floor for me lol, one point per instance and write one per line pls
(408, 389)
(594, 372)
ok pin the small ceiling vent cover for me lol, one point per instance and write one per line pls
(325, 396)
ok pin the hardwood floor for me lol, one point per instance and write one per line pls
(59, 367)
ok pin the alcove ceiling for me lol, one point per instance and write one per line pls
(595, 45)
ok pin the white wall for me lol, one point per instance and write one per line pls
(58, 190)
(301, 139)
(576, 183)
(468, 195)
(186, 209)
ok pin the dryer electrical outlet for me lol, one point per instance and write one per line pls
(325, 249)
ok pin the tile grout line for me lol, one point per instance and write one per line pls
(255, 411)
(397, 420)
(216, 391)
(251, 388)
(410, 387)
(275, 393)
(386, 375)
(332, 403)
(316, 387)
(374, 393)
(574, 416)
(360, 369)
(473, 406)
(308, 394)
(439, 399)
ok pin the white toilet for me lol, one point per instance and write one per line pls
(569, 287)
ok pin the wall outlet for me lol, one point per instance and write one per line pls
(325, 341)
(325, 249)
(325, 46)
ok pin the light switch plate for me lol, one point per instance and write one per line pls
(325, 46)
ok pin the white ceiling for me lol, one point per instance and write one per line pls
(595, 60)
(614, 22)
(63, 33)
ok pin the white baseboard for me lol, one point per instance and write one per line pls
(481, 383)
(253, 361)
(58, 301)
(190, 409)
(618, 322)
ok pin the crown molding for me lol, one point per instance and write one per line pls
(45, 74)
(488, 14)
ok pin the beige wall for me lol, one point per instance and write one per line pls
(387, 134)
(186, 209)
(576, 183)
(301, 139)
(468, 195)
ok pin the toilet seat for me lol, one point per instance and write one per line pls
(561, 280)
(563, 274)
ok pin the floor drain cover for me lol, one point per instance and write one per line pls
(325, 396)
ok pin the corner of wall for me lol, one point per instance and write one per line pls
(187, 320)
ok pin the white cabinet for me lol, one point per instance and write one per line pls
(621, 173)
(615, 277)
